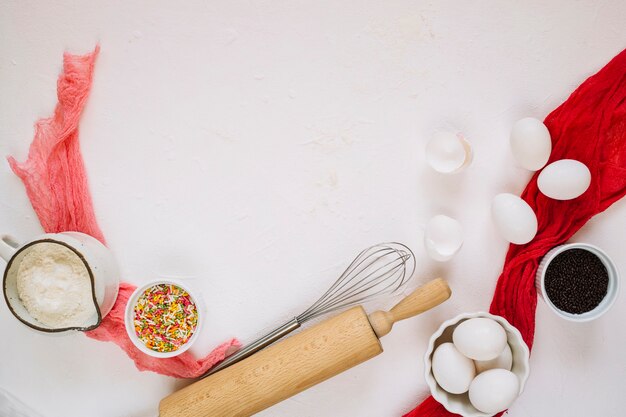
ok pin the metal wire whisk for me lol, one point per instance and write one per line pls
(380, 269)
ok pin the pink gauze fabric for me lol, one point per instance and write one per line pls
(56, 184)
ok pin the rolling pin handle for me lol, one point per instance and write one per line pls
(422, 299)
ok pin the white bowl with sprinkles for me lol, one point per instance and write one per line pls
(163, 318)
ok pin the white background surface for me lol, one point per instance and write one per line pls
(259, 145)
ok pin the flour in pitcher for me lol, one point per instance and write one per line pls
(54, 286)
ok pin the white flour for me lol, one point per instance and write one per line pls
(54, 286)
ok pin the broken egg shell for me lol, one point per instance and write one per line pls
(448, 152)
(443, 237)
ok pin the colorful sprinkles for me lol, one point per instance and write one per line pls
(165, 317)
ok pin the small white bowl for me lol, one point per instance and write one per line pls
(459, 403)
(129, 313)
(611, 292)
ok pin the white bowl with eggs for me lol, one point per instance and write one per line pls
(460, 403)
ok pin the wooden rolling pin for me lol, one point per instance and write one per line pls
(298, 362)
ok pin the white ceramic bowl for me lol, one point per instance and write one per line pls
(459, 403)
(130, 328)
(611, 292)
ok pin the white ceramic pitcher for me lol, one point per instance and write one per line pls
(100, 264)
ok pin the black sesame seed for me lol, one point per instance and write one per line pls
(576, 281)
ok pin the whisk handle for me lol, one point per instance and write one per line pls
(255, 346)
(422, 299)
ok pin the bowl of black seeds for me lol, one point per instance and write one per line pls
(578, 281)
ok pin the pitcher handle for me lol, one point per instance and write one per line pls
(8, 247)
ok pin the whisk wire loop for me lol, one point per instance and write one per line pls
(378, 270)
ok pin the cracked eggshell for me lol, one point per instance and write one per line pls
(443, 237)
(564, 179)
(448, 152)
(514, 218)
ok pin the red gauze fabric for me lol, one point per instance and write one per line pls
(589, 127)
(56, 184)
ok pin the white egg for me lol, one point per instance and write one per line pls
(502, 361)
(564, 179)
(479, 338)
(452, 371)
(514, 218)
(494, 390)
(531, 143)
(443, 237)
(448, 152)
